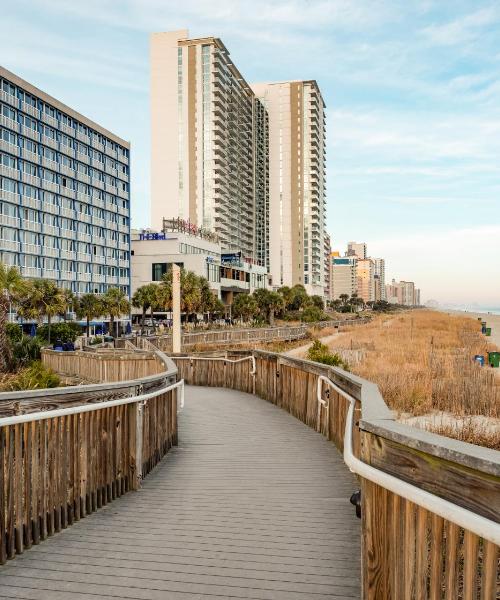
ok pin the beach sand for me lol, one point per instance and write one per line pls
(492, 321)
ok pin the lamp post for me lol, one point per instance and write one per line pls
(176, 309)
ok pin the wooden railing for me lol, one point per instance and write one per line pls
(250, 335)
(408, 552)
(60, 464)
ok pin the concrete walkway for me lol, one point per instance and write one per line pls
(252, 504)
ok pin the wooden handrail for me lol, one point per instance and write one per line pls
(408, 551)
(96, 443)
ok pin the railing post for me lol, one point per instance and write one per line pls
(136, 417)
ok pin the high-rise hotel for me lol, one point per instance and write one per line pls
(245, 161)
(209, 162)
(297, 202)
(64, 192)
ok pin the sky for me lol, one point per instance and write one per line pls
(412, 90)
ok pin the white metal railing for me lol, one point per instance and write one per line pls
(458, 515)
(73, 410)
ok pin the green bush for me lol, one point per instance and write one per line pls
(34, 377)
(313, 314)
(319, 352)
(66, 332)
(14, 332)
(25, 351)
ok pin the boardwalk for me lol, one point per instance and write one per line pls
(252, 504)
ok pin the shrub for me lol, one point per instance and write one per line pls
(34, 377)
(14, 332)
(25, 351)
(319, 352)
(66, 332)
(313, 314)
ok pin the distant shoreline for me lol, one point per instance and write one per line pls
(492, 319)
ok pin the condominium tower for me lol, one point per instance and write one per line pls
(64, 192)
(344, 279)
(209, 162)
(379, 275)
(297, 204)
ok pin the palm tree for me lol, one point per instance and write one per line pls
(89, 307)
(10, 284)
(268, 303)
(47, 299)
(344, 298)
(115, 304)
(145, 297)
(191, 292)
(244, 306)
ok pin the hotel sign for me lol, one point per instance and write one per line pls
(148, 235)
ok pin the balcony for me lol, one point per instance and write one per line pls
(31, 272)
(31, 133)
(49, 163)
(9, 172)
(51, 142)
(50, 185)
(68, 275)
(8, 147)
(12, 100)
(30, 110)
(67, 130)
(50, 251)
(31, 202)
(50, 120)
(68, 254)
(50, 274)
(32, 249)
(9, 123)
(9, 244)
(32, 225)
(51, 229)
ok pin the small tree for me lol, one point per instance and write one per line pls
(145, 297)
(89, 307)
(115, 305)
(317, 301)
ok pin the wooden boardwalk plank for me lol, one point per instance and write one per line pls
(251, 504)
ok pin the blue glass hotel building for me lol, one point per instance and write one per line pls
(64, 192)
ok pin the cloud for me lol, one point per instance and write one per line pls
(463, 30)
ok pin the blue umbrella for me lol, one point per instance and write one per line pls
(128, 329)
(33, 330)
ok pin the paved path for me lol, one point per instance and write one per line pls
(252, 504)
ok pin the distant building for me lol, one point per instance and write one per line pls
(365, 274)
(343, 276)
(357, 249)
(403, 292)
(379, 277)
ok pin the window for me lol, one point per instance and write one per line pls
(158, 270)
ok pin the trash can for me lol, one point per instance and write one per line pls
(487, 331)
(494, 359)
(479, 358)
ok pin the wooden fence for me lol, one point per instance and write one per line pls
(408, 552)
(59, 465)
(249, 335)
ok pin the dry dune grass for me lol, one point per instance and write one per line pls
(422, 362)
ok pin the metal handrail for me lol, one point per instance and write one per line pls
(73, 410)
(251, 358)
(481, 526)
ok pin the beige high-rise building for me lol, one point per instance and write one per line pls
(209, 162)
(344, 279)
(356, 249)
(365, 273)
(297, 204)
(379, 274)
